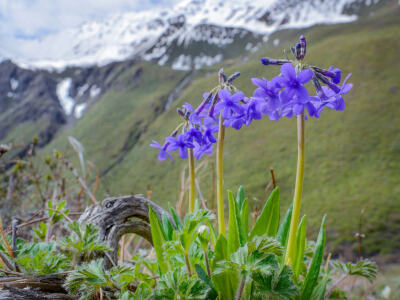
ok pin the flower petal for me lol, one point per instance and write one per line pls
(302, 94)
(260, 93)
(288, 71)
(346, 88)
(237, 97)
(258, 82)
(286, 95)
(183, 152)
(224, 94)
(298, 109)
(305, 76)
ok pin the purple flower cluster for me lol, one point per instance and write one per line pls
(283, 96)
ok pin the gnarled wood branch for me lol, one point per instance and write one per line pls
(121, 215)
(115, 217)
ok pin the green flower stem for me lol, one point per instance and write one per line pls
(241, 287)
(220, 179)
(188, 265)
(192, 181)
(207, 263)
(297, 191)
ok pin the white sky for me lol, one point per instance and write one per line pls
(32, 19)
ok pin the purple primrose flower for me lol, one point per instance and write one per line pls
(179, 143)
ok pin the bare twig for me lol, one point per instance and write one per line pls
(6, 243)
(148, 192)
(6, 261)
(334, 285)
(14, 224)
(273, 177)
(96, 184)
(80, 180)
(122, 252)
(11, 272)
(10, 191)
(138, 244)
(203, 201)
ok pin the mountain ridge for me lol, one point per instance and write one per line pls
(193, 34)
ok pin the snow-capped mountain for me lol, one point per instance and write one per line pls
(192, 34)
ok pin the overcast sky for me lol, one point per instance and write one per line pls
(31, 19)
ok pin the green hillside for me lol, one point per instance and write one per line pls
(352, 158)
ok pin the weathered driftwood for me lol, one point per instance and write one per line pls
(33, 287)
(117, 216)
(121, 215)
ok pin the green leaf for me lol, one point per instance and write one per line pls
(313, 271)
(175, 216)
(168, 229)
(300, 245)
(240, 197)
(244, 223)
(283, 232)
(268, 221)
(221, 250)
(319, 290)
(204, 277)
(158, 239)
(233, 228)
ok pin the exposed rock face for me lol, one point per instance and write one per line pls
(28, 96)
(31, 102)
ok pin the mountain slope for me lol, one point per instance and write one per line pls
(352, 156)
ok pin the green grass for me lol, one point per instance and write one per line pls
(352, 157)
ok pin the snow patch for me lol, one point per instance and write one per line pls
(82, 90)
(14, 84)
(95, 91)
(79, 108)
(62, 91)
(183, 62)
(275, 42)
(204, 60)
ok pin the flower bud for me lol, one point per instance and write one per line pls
(293, 50)
(298, 51)
(334, 74)
(221, 76)
(303, 44)
(204, 235)
(181, 113)
(233, 77)
(276, 62)
(325, 80)
(318, 88)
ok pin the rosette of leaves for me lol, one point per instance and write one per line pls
(83, 242)
(257, 267)
(90, 279)
(177, 285)
(41, 259)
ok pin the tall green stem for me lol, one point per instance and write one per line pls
(220, 179)
(192, 181)
(297, 191)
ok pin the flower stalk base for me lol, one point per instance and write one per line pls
(297, 191)
(192, 181)
(220, 181)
